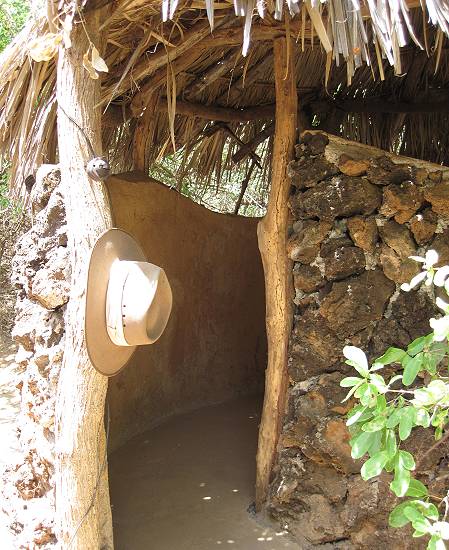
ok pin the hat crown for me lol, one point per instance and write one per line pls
(138, 303)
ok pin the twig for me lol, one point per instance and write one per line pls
(431, 449)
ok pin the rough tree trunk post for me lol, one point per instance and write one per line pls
(83, 513)
(143, 137)
(272, 235)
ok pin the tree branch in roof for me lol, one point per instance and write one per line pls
(223, 114)
(251, 145)
(211, 74)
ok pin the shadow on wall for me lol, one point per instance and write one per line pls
(214, 347)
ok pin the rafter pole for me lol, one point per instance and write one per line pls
(272, 235)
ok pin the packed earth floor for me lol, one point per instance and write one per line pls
(189, 484)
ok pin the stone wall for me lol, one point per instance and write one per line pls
(358, 214)
(41, 277)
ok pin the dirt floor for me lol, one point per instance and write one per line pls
(9, 408)
(189, 484)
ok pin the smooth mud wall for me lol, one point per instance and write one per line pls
(214, 347)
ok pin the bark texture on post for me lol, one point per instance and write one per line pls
(144, 135)
(272, 235)
(83, 512)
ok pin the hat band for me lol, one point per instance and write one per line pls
(114, 317)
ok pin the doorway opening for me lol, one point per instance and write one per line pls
(185, 412)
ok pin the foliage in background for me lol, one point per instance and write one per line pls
(220, 198)
(387, 412)
(13, 14)
(13, 222)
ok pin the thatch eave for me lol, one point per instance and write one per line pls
(210, 80)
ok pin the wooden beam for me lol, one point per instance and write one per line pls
(245, 81)
(152, 62)
(387, 107)
(223, 114)
(83, 514)
(211, 75)
(272, 235)
(252, 144)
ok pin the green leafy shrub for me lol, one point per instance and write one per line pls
(13, 14)
(388, 410)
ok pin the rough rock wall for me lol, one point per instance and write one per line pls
(357, 218)
(41, 276)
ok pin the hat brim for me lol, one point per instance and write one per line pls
(115, 244)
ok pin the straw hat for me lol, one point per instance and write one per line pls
(128, 301)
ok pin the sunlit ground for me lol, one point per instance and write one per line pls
(189, 484)
(9, 407)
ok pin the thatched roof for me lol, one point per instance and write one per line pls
(375, 72)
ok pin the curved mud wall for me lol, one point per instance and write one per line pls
(214, 347)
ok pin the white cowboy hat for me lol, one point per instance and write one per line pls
(128, 301)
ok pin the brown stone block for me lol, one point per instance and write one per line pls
(343, 262)
(351, 167)
(399, 238)
(441, 245)
(307, 278)
(438, 196)
(314, 347)
(363, 232)
(304, 246)
(342, 196)
(397, 268)
(353, 304)
(423, 226)
(401, 201)
(310, 171)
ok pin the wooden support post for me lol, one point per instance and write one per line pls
(272, 235)
(83, 514)
(143, 135)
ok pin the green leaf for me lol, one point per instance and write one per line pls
(408, 415)
(361, 444)
(436, 543)
(390, 443)
(376, 443)
(416, 489)
(422, 418)
(417, 534)
(381, 404)
(418, 344)
(412, 513)
(350, 381)
(355, 415)
(428, 509)
(422, 525)
(401, 481)
(411, 369)
(350, 393)
(378, 382)
(356, 358)
(394, 418)
(375, 425)
(374, 466)
(392, 355)
(397, 517)
(362, 390)
(406, 460)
